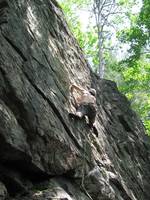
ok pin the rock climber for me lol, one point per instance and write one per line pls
(85, 104)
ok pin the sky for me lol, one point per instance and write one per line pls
(86, 19)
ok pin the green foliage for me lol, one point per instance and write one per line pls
(139, 34)
(136, 87)
(136, 68)
(91, 47)
(88, 40)
(69, 7)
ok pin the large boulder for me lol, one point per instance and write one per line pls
(39, 59)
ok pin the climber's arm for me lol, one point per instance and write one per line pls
(72, 87)
(77, 100)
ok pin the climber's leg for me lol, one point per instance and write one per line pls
(91, 114)
(80, 112)
(95, 131)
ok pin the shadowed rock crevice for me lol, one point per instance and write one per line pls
(15, 48)
(15, 105)
(3, 4)
(3, 12)
(124, 123)
(44, 153)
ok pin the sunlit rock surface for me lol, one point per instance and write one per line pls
(44, 154)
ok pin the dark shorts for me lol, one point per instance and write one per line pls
(89, 110)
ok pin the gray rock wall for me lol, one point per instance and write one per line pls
(45, 154)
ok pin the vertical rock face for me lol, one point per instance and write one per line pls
(43, 153)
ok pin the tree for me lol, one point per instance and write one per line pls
(139, 35)
(103, 11)
(136, 67)
(96, 40)
(136, 87)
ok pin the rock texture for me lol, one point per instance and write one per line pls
(3, 191)
(43, 153)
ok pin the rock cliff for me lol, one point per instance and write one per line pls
(43, 153)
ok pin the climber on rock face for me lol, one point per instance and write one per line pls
(85, 104)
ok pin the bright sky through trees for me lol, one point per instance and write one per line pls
(86, 18)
